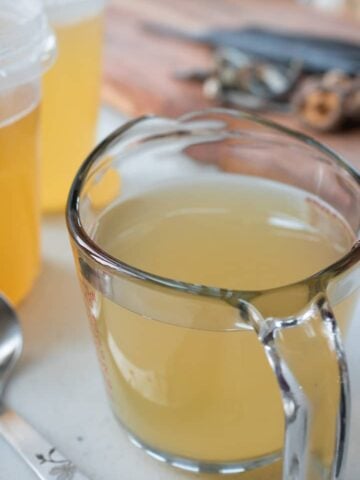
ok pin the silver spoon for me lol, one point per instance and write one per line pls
(44, 459)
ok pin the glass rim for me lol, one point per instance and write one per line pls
(63, 3)
(115, 266)
(72, 11)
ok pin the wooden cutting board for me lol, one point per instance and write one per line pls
(139, 66)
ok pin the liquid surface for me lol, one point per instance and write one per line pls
(19, 205)
(70, 107)
(246, 235)
(205, 395)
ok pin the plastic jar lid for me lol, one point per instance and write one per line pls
(71, 11)
(27, 44)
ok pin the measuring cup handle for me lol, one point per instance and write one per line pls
(303, 405)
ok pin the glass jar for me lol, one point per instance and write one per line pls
(71, 93)
(27, 48)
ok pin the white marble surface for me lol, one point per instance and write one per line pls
(58, 386)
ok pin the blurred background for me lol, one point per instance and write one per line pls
(296, 62)
(159, 59)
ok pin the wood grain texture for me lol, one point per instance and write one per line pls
(139, 66)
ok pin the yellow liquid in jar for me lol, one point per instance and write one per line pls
(19, 205)
(205, 394)
(70, 107)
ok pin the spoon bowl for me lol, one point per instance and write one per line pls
(37, 452)
(11, 342)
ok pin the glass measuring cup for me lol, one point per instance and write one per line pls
(165, 344)
(27, 49)
(71, 95)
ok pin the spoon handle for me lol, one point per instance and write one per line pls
(44, 459)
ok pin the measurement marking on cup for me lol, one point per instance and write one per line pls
(90, 302)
